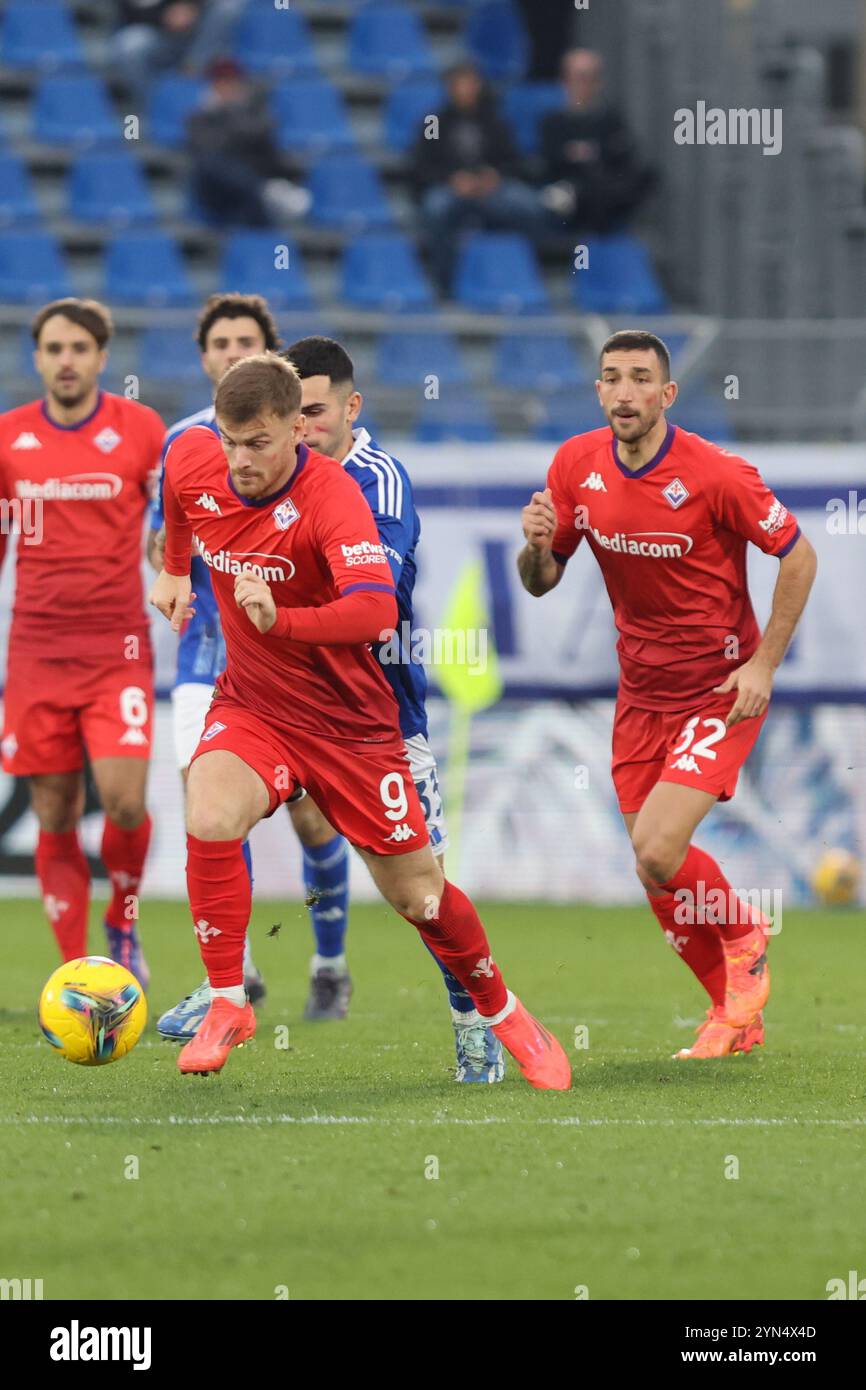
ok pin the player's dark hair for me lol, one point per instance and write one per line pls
(237, 306)
(638, 340)
(85, 313)
(321, 357)
(256, 386)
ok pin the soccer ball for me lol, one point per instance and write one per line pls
(836, 878)
(92, 1011)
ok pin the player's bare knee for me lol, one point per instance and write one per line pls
(211, 821)
(127, 813)
(57, 805)
(657, 858)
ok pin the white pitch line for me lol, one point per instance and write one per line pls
(472, 1121)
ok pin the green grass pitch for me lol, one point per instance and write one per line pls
(304, 1169)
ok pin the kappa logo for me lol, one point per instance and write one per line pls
(686, 763)
(107, 440)
(331, 914)
(215, 728)
(134, 738)
(285, 514)
(26, 440)
(678, 942)
(676, 492)
(209, 503)
(54, 907)
(204, 931)
(594, 482)
(484, 967)
(401, 833)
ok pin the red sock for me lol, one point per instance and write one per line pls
(123, 854)
(700, 947)
(64, 878)
(220, 900)
(456, 936)
(716, 905)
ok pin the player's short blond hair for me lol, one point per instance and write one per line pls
(85, 313)
(256, 386)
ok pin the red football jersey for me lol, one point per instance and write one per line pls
(670, 539)
(313, 541)
(85, 487)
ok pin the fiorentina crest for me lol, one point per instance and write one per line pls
(285, 514)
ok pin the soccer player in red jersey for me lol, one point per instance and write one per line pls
(303, 587)
(668, 517)
(79, 673)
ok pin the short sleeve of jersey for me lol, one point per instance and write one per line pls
(349, 538)
(566, 537)
(395, 523)
(745, 505)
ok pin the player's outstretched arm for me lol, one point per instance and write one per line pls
(539, 571)
(754, 680)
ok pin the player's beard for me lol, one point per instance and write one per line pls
(636, 427)
(70, 394)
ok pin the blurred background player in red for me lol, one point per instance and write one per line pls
(668, 516)
(79, 661)
(303, 586)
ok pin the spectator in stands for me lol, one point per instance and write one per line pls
(236, 167)
(153, 35)
(465, 173)
(594, 177)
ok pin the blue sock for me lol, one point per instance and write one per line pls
(248, 859)
(326, 874)
(457, 995)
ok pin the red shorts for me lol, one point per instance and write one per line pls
(54, 708)
(694, 748)
(364, 789)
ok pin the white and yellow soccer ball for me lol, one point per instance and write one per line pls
(836, 878)
(92, 1011)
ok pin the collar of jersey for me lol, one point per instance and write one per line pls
(362, 441)
(81, 423)
(654, 461)
(303, 454)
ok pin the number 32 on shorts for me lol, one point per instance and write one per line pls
(704, 746)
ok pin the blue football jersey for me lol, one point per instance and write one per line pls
(201, 652)
(388, 490)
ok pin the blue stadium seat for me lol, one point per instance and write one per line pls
(311, 117)
(567, 413)
(407, 359)
(39, 36)
(458, 415)
(705, 414)
(619, 279)
(496, 38)
(252, 265)
(110, 188)
(170, 354)
(525, 105)
(276, 42)
(74, 111)
(388, 40)
(348, 194)
(17, 203)
(406, 106)
(382, 271)
(147, 268)
(172, 100)
(32, 268)
(537, 362)
(497, 273)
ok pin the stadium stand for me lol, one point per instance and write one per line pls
(771, 246)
